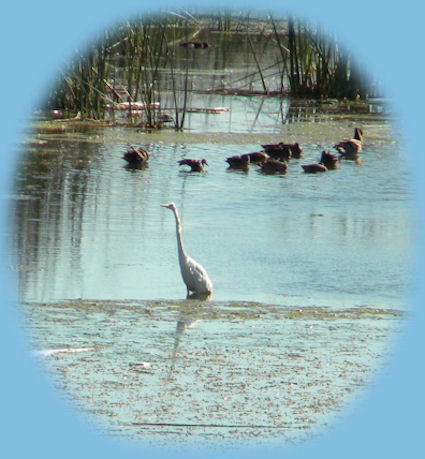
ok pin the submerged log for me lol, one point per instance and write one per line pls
(239, 92)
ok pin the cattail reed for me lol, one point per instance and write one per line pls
(130, 71)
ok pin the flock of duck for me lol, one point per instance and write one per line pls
(273, 159)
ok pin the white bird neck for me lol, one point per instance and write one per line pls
(180, 247)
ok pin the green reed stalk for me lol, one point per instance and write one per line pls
(185, 96)
(263, 81)
(284, 55)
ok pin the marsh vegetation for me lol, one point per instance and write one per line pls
(144, 71)
(310, 271)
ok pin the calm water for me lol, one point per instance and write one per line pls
(310, 272)
(86, 227)
(223, 374)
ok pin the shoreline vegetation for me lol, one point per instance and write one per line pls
(142, 73)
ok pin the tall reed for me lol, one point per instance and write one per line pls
(315, 65)
(82, 89)
(141, 61)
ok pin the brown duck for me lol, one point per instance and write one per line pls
(273, 166)
(329, 160)
(351, 146)
(257, 157)
(136, 157)
(313, 168)
(283, 151)
(238, 161)
(196, 165)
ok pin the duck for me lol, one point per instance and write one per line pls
(313, 168)
(194, 44)
(279, 151)
(283, 151)
(136, 157)
(273, 166)
(329, 160)
(296, 149)
(238, 161)
(257, 157)
(352, 146)
(196, 165)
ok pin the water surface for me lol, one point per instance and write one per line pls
(310, 275)
(87, 227)
(220, 374)
(310, 272)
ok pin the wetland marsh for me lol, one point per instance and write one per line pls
(310, 271)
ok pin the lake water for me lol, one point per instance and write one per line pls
(87, 227)
(310, 272)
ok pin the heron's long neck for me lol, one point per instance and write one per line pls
(180, 247)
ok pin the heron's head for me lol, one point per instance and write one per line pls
(171, 206)
(204, 161)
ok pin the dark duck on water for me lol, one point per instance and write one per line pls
(283, 151)
(273, 166)
(352, 146)
(136, 157)
(257, 157)
(329, 160)
(238, 161)
(196, 165)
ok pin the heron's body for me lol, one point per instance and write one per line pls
(194, 275)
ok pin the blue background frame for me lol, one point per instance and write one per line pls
(37, 39)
